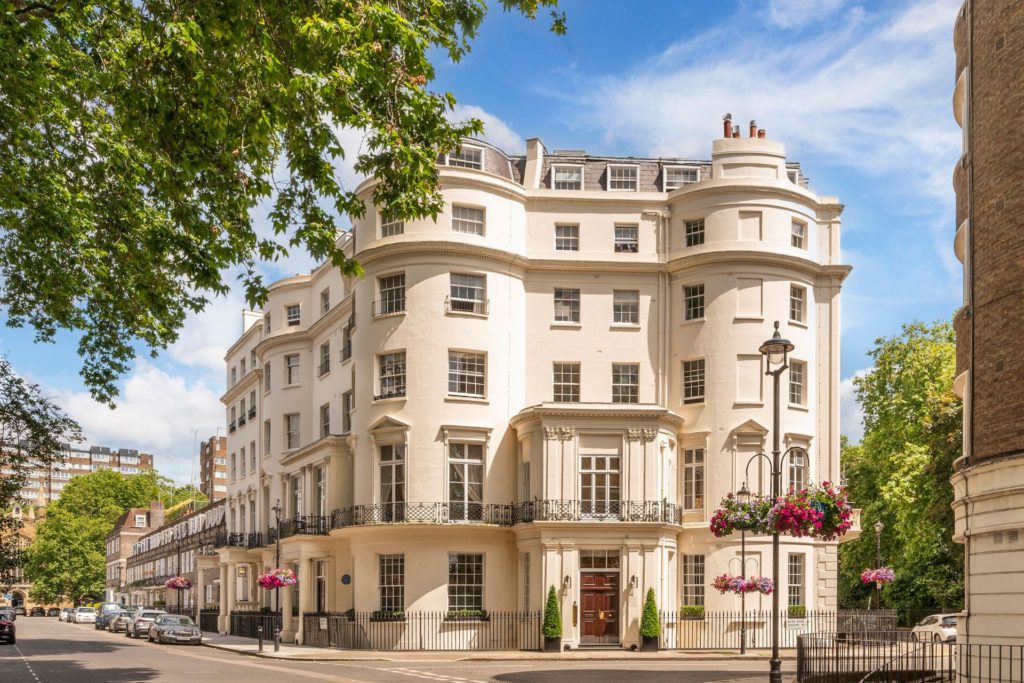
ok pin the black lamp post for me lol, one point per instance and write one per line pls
(744, 497)
(277, 565)
(878, 560)
(178, 549)
(776, 354)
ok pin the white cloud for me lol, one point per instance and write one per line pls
(157, 413)
(206, 336)
(496, 131)
(851, 418)
(859, 91)
(796, 13)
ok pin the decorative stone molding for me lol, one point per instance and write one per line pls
(560, 433)
(645, 434)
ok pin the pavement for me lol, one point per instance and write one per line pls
(49, 651)
(250, 646)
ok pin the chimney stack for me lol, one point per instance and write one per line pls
(727, 125)
(735, 131)
(760, 133)
(753, 128)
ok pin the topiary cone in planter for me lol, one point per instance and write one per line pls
(650, 626)
(552, 623)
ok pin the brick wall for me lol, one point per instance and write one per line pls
(996, 42)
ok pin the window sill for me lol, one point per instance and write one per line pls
(466, 314)
(566, 325)
(748, 404)
(693, 321)
(625, 326)
(796, 323)
(392, 314)
(693, 401)
(389, 399)
(325, 374)
(800, 407)
(292, 386)
(748, 319)
(457, 398)
(345, 361)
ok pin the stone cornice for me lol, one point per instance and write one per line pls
(243, 338)
(315, 448)
(242, 386)
(306, 335)
(597, 411)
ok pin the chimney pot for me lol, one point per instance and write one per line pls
(760, 133)
(727, 125)
(753, 128)
(735, 131)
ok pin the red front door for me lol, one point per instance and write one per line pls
(599, 597)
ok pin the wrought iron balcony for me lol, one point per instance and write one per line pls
(241, 419)
(476, 306)
(252, 413)
(651, 511)
(240, 540)
(231, 427)
(303, 525)
(390, 306)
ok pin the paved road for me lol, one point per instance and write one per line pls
(49, 651)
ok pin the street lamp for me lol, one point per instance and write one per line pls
(878, 560)
(776, 352)
(743, 495)
(277, 565)
(177, 547)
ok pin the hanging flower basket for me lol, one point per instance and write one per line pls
(879, 576)
(734, 515)
(178, 583)
(822, 512)
(277, 578)
(727, 583)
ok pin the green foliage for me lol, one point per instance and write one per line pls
(650, 625)
(693, 611)
(552, 616)
(899, 474)
(32, 430)
(796, 611)
(137, 138)
(67, 560)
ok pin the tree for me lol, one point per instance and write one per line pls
(900, 471)
(552, 616)
(136, 138)
(67, 560)
(32, 433)
(650, 626)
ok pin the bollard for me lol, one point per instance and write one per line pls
(277, 639)
(259, 635)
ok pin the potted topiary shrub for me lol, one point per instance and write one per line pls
(650, 626)
(552, 623)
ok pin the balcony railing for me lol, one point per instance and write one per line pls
(240, 540)
(231, 427)
(390, 392)
(252, 413)
(241, 419)
(390, 306)
(499, 514)
(303, 525)
(457, 305)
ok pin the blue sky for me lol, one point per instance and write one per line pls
(859, 92)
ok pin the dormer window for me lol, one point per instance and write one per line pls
(467, 157)
(623, 178)
(674, 177)
(566, 177)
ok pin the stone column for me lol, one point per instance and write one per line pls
(200, 589)
(228, 593)
(287, 625)
(305, 592)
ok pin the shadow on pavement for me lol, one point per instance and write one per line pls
(617, 675)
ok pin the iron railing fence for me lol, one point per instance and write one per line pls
(421, 513)
(424, 631)
(208, 620)
(187, 610)
(990, 663)
(601, 510)
(875, 656)
(247, 624)
(723, 630)
(310, 525)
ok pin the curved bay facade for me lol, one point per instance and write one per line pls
(551, 384)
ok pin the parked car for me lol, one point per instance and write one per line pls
(84, 615)
(20, 610)
(119, 621)
(8, 613)
(938, 628)
(175, 628)
(65, 614)
(103, 619)
(53, 612)
(37, 612)
(7, 630)
(139, 624)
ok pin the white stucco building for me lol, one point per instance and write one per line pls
(552, 384)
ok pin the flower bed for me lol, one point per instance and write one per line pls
(878, 576)
(737, 516)
(726, 583)
(178, 583)
(277, 578)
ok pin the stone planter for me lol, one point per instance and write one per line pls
(649, 644)
(552, 644)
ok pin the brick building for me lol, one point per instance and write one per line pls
(988, 102)
(129, 528)
(46, 483)
(213, 467)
